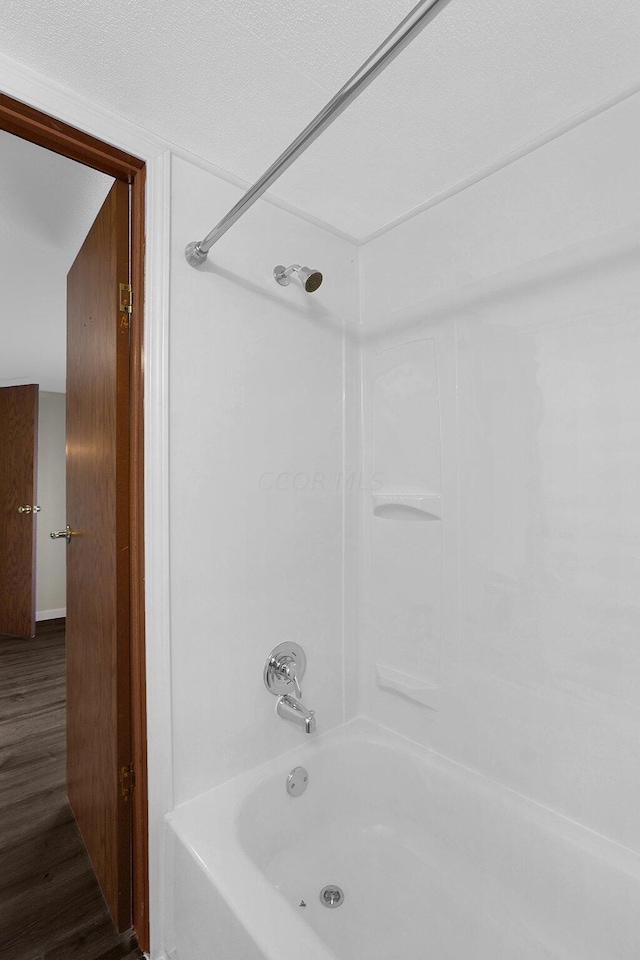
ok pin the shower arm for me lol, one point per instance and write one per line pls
(422, 14)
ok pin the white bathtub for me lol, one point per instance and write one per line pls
(436, 863)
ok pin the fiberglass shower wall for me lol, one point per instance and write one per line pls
(260, 443)
(501, 433)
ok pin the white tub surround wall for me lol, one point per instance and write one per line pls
(257, 478)
(504, 632)
(51, 561)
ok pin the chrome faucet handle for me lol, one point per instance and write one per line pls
(284, 668)
(289, 669)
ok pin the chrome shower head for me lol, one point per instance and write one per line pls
(308, 277)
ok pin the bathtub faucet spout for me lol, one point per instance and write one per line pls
(291, 709)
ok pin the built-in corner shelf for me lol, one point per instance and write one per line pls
(407, 507)
(413, 688)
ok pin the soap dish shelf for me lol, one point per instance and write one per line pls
(407, 507)
(406, 685)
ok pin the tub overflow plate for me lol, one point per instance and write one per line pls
(331, 896)
(297, 781)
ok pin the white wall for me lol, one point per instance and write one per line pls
(523, 661)
(257, 439)
(51, 580)
(48, 204)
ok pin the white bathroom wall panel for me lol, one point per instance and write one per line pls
(404, 517)
(51, 560)
(409, 516)
(258, 479)
(406, 573)
(581, 185)
(406, 419)
(539, 688)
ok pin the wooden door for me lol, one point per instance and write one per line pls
(18, 484)
(98, 573)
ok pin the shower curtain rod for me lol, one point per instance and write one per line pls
(422, 14)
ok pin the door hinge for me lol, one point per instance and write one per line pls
(126, 298)
(127, 781)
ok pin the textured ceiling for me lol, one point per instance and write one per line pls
(47, 204)
(235, 81)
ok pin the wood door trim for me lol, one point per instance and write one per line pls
(30, 124)
(46, 131)
(140, 831)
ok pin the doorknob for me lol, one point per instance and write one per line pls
(67, 533)
(28, 509)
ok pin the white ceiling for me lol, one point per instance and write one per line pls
(47, 204)
(235, 81)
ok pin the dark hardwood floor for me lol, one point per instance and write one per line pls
(51, 907)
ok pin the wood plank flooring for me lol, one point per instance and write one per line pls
(51, 907)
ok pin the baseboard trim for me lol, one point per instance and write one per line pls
(163, 955)
(51, 614)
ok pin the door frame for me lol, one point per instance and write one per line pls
(44, 130)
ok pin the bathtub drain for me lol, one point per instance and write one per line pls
(331, 896)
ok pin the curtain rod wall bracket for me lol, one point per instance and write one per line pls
(194, 255)
(422, 14)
